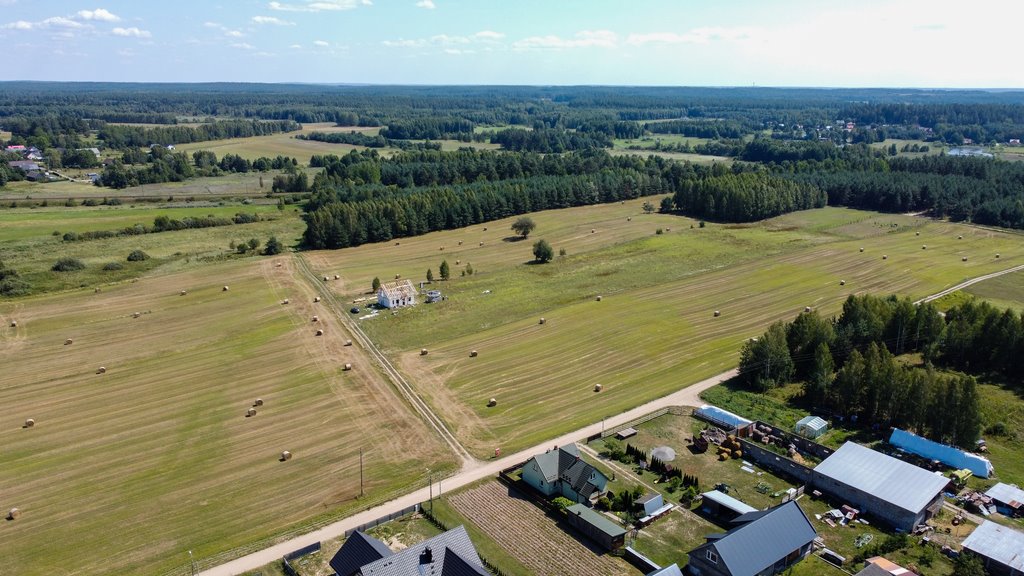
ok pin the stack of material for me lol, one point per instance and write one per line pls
(730, 447)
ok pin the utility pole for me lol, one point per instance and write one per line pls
(430, 488)
(192, 561)
(360, 472)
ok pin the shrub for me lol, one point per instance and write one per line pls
(562, 502)
(272, 247)
(70, 236)
(702, 224)
(111, 266)
(68, 265)
(137, 256)
(659, 231)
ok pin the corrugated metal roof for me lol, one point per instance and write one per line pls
(754, 546)
(723, 499)
(1000, 543)
(596, 519)
(884, 477)
(716, 414)
(948, 455)
(1006, 493)
(671, 570)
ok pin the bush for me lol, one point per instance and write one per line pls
(137, 256)
(68, 265)
(273, 246)
(997, 429)
(111, 266)
(70, 236)
(562, 502)
(659, 231)
(542, 251)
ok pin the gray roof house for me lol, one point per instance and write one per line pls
(762, 543)
(448, 554)
(900, 494)
(563, 472)
(1000, 547)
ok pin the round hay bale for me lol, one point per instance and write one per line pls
(598, 298)
(250, 412)
(29, 422)
(317, 299)
(225, 289)
(14, 323)
(96, 291)
(667, 229)
(542, 320)
(13, 514)
(472, 353)
(460, 242)
(316, 319)
(842, 282)
(959, 237)
(286, 456)
(68, 342)
(423, 352)
(441, 248)
(278, 265)
(964, 259)
(997, 255)
(337, 277)
(924, 247)
(597, 387)
(258, 402)
(917, 233)
(481, 243)
(285, 301)
(397, 276)
(348, 342)
(326, 278)
(136, 314)
(348, 367)
(457, 262)
(492, 402)
(884, 257)
(592, 230)
(101, 370)
(629, 218)
(485, 228)
(807, 308)
(861, 249)
(183, 292)
(319, 332)
(717, 313)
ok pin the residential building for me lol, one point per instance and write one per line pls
(562, 472)
(895, 492)
(762, 543)
(596, 526)
(396, 294)
(879, 566)
(448, 554)
(1001, 548)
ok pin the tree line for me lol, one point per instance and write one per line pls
(848, 364)
(119, 136)
(745, 197)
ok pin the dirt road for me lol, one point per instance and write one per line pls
(686, 396)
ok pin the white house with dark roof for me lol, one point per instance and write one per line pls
(894, 491)
(563, 472)
(448, 554)
(761, 543)
(396, 294)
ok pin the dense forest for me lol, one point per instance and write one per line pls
(848, 365)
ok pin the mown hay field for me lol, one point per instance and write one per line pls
(125, 471)
(1004, 292)
(654, 330)
(284, 144)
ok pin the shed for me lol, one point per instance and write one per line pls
(721, 505)
(596, 526)
(811, 427)
(1009, 499)
(948, 455)
(900, 494)
(651, 503)
(1000, 547)
(719, 417)
(625, 433)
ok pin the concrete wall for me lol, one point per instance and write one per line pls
(775, 462)
(804, 445)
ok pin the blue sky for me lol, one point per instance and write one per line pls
(913, 43)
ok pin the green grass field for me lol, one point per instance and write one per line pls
(654, 330)
(129, 469)
(1004, 292)
(284, 144)
(226, 186)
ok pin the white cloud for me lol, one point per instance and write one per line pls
(695, 36)
(132, 32)
(319, 5)
(321, 43)
(296, 46)
(19, 25)
(488, 35)
(428, 4)
(482, 37)
(243, 46)
(271, 20)
(402, 43)
(445, 39)
(582, 39)
(62, 22)
(99, 14)
(264, 54)
(233, 33)
(212, 25)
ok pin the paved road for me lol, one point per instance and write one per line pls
(688, 396)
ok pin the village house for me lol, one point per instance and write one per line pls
(562, 472)
(448, 554)
(396, 294)
(879, 566)
(761, 543)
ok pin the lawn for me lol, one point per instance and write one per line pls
(653, 331)
(1006, 291)
(129, 469)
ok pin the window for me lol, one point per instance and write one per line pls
(711, 556)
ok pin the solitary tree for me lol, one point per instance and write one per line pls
(542, 251)
(444, 271)
(376, 284)
(523, 226)
(430, 275)
(272, 247)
